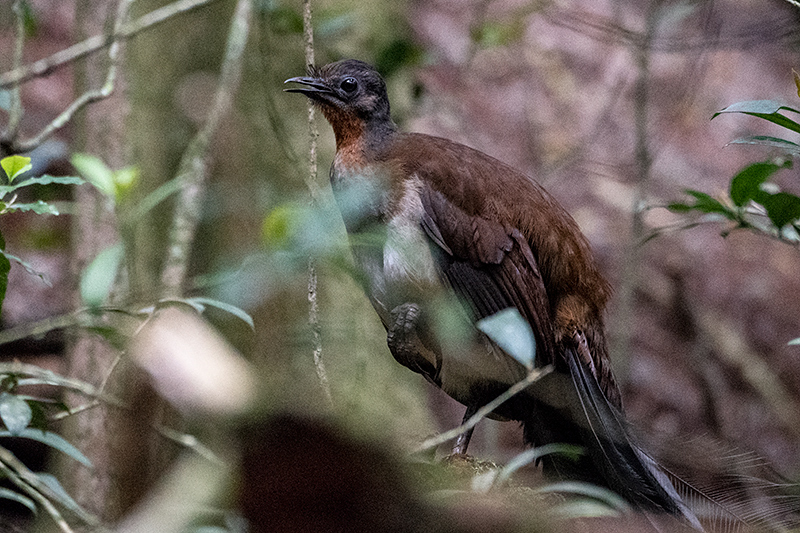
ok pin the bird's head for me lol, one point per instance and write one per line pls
(346, 90)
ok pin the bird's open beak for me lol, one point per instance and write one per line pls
(312, 86)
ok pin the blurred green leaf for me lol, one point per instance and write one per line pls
(794, 342)
(8, 494)
(396, 55)
(14, 165)
(51, 439)
(95, 172)
(512, 333)
(332, 26)
(164, 191)
(45, 179)
(746, 184)
(279, 224)
(584, 508)
(533, 454)
(765, 109)
(782, 208)
(498, 33)
(703, 203)
(24, 264)
(15, 413)
(60, 493)
(98, 278)
(601, 494)
(39, 207)
(285, 20)
(232, 309)
(125, 179)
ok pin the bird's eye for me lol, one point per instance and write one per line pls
(349, 85)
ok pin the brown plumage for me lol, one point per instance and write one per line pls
(455, 224)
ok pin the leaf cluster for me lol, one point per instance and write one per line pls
(753, 201)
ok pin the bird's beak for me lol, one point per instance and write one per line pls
(312, 86)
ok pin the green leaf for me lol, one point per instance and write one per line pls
(14, 165)
(232, 309)
(60, 492)
(531, 455)
(512, 334)
(5, 267)
(746, 184)
(98, 278)
(678, 207)
(8, 494)
(24, 264)
(706, 204)
(782, 208)
(794, 342)
(39, 207)
(583, 508)
(156, 197)
(581, 488)
(15, 412)
(766, 109)
(788, 147)
(45, 179)
(96, 172)
(51, 439)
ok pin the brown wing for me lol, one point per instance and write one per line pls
(505, 242)
(490, 266)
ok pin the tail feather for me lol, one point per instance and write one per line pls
(577, 411)
(623, 465)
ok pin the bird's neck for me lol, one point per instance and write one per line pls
(356, 137)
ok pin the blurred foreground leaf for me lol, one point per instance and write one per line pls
(15, 413)
(51, 439)
(98, 278)
(7, 494)
(512, 333)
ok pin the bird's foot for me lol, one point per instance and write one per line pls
(401, 335)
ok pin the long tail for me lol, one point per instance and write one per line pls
(575, 410)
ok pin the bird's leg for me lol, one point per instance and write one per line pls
(462, 442)
(406, 335)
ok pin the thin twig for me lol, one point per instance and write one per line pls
(12, 476)
(313, 191)
(28, 481)
(533, 376)
(93, 44)
(86, 98)
(193, 169)
(15, 113)
(99, 397)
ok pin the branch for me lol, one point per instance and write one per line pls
(193, 169)
(47, 65)
(15, 113)
(83, 100)
(516, 388)
(313, 191)
(31, 484)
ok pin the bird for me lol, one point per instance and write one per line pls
(429, 221)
